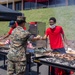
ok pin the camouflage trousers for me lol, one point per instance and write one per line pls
(16, 67)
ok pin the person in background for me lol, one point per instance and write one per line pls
(17, 53)
(56, 37)
(6, 38)
(12, 25)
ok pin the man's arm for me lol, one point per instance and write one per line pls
(39, 38)
(36, 38)
(43, 38)
(7, 35)
(65, 39)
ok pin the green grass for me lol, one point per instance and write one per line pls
(4, 27)
(65, 16)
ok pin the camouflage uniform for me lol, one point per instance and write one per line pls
(16, 56)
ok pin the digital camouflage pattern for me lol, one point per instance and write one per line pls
(16, 55)
(21, 18)
(16, 67)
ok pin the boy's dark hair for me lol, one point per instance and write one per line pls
(53, 18)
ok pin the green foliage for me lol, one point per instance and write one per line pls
(65, 16)
(4, 27)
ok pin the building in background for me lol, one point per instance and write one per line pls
(32, 4)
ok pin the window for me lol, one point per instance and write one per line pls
(42, 4)
(29, 5)
(18, 6)
(26, 5)
(60, 2)
(52, 3)
(71, 2)
(32, 5)
(10, 5)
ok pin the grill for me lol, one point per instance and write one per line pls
(64, 61)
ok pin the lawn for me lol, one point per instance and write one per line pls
(65, 16)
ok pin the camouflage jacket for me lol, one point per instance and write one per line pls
(17, 48)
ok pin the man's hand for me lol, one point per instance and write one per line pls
(38, 37)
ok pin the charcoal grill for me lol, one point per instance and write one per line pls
(55, 61)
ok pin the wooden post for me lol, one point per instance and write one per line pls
(55, 3)
(35, 4)
(22, 5)
(13, 5)
(48, 3)
(66, 2)
(7, 3)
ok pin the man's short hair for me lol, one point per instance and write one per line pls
(21, 19)
(53, 18)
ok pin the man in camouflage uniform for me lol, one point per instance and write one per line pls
(16, 56)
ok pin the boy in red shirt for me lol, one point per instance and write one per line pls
(12, 25)
(56, 37)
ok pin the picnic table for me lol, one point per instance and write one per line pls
(4, 51)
